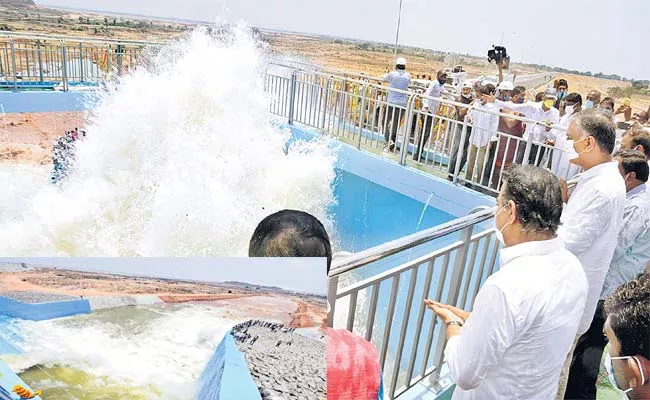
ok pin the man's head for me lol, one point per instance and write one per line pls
(640, 116)
(593, 99)
(633, 167)
(505, 89)
(518, 94)
(483, 90)
(572, 103)
(539, 97)
(466, 91)
(607, 104)
(441, 76)
(550, 96)
(638, 139)
(562, 88)
(400, 63)
(628, 330)
(591, 139)
(530, 205)
(290, 233)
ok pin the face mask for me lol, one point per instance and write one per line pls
(467, 96)
(506, 98)
(499, 232)
(571, 150)
(561, 95)
(589, 104)
(549, 103)
(568, 110)
(441, 81)
(612, 377)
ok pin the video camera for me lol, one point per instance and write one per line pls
(499, 55)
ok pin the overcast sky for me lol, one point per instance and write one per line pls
(305, 275)
(595, 35)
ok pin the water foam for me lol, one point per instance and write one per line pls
(181, 159)
(160, 348)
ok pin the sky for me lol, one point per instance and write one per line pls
(587, 35)
(305, 275)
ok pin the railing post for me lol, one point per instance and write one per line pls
(13, 62)
(292, 95)
(81, 61)
(40, 59)
(406, 136)
(529, 144)
(461, 149)
(332, 287)
(64, 65)
(361, 112)
(325, 102)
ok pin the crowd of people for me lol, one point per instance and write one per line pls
(493, 140)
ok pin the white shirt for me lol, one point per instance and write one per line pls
(535, 112)
(484, 125)
(433, 90)
(591, 221)
(397, 79)
(523, 324)
(560, 164)
(633, 250)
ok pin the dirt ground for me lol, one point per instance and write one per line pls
(305, 313)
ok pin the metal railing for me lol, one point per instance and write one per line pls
(387, 308)
(62, 62)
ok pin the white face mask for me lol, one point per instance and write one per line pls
(589, 104)
(570, 150)
(612, 377)
(568, 110)
(499, 232)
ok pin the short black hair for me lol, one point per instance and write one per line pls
(608, 100)
(539, 97)
(538, 196)
(634, 161)
(628, 309)
(598, 124)
(563, 82)
(641, 138)
(573, 98)
(291, 233)
(484, 89)
(518, 90)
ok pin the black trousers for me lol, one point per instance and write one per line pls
(455, 148)
(585, 364)
(394, 115)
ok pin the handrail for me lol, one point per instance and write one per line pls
(376, 253)
(82, 39)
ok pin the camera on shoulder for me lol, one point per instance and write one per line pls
(499, 55)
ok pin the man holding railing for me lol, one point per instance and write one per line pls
(465, 98)
(400, 80)
(560, 164)
(525, 317)
(591, 222)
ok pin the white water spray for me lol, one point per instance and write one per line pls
(181, 159)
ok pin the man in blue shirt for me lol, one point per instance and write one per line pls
(396, 107)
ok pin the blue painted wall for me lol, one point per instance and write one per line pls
(226, 377)
(39, 101)
(43, 311)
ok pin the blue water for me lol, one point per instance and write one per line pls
(368, 214)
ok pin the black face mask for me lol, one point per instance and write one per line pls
(442, 81)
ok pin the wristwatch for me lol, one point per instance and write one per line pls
(459, 323)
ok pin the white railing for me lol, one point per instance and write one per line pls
(447, 263)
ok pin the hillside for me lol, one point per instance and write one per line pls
(18, 2)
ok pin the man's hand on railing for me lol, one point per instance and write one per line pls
(446, 312)
(565, 190)
(487, 98)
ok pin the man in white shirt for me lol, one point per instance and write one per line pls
(400, 80)
(560, 164)
(514, 342)
(591, 221)
(539, 134)
(484, 126)
(430, 108)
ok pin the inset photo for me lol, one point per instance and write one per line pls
(163, 328)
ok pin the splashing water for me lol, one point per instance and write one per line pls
(181, 159)
(132, 352)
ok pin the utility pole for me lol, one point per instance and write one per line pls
(399, 17)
